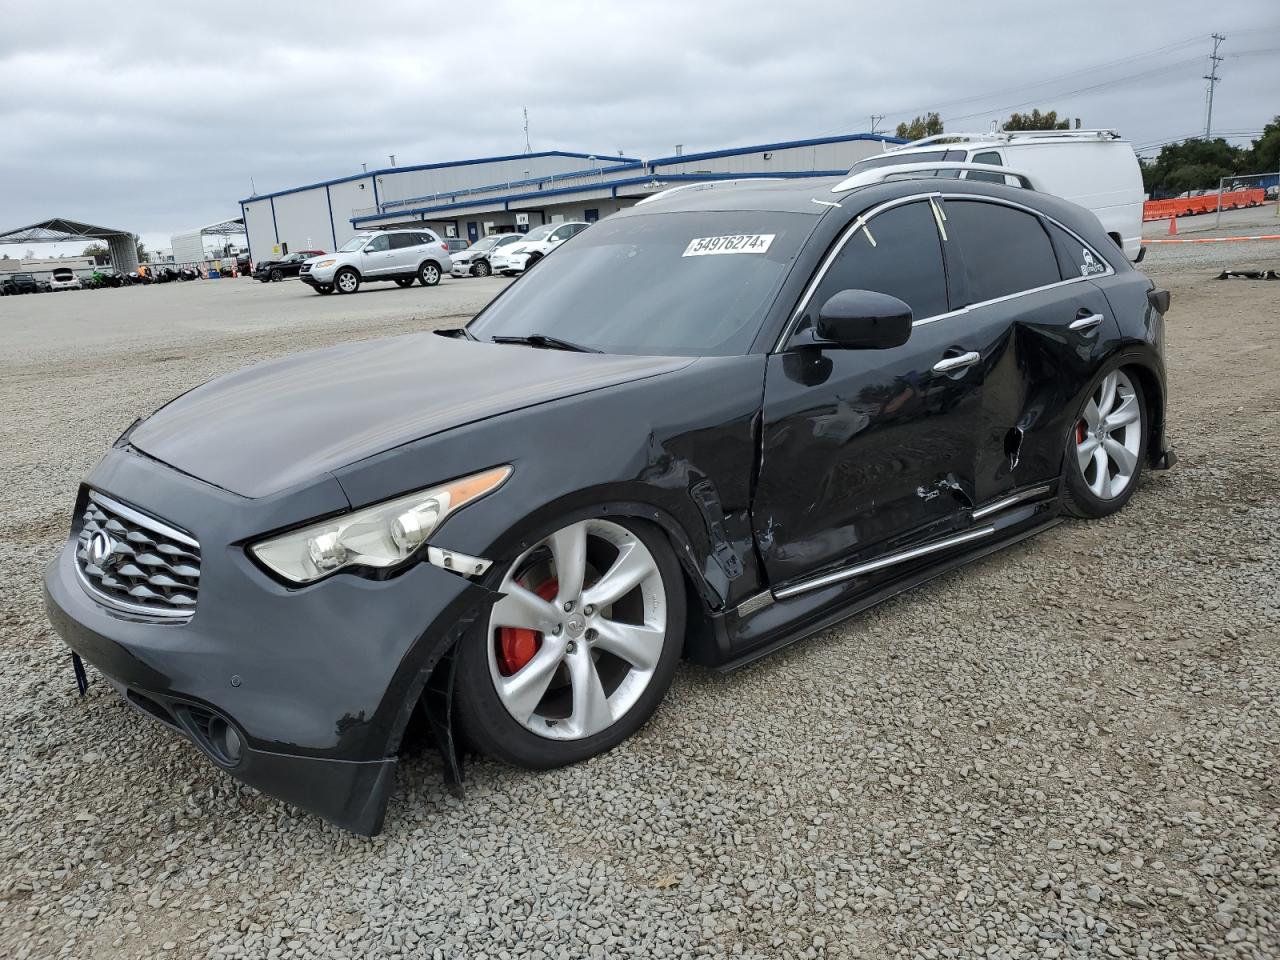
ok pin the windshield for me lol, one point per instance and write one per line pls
(542, 232)
(684, 284)
(485, 243)
(355, 243)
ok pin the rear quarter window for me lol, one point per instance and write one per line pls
(1005, 250)
(1075, 257)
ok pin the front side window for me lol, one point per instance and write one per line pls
(899, 253)
(1005, 250)
(378, 244)
(355, 243)
(670, 284)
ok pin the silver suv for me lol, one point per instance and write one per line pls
(399, 255)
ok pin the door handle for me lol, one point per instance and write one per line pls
(952, 364)
(1086, 322)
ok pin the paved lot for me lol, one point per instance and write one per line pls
(1069, 749)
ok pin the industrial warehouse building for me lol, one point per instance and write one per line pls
(472, 198)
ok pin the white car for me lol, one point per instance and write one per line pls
(475, 260)
(64, 278)
(1093, 168)
(535, 245)
(399, 255)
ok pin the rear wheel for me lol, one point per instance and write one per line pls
(324, 290)
(1106, 447)
(429, 274)
(581, 648)
(404, 281)
(347, 281)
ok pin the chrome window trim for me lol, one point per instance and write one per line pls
(849, 231)
(142, 520)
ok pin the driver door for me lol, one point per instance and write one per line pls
(377, 257)
(868, 452)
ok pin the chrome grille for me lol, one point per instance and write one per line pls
(136, 563)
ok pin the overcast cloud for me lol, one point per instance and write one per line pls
(157, 122)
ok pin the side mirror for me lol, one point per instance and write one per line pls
(864, 320)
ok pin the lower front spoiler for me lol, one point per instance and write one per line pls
(350, 794)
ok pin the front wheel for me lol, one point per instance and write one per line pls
(581, 648)
(1106, 447)
(481, 269)
(347, 281)
(324, 290)
(276, 276)
(429, 274)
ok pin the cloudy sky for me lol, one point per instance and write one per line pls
(160, 122)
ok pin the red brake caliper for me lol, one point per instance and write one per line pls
(1081, 431)
(518, 645)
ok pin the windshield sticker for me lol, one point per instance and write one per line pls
(734, 243)
(1091, 264)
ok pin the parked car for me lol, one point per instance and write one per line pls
(399, 255)
(16, 283)
(536, 244)
(1094, 168)
(64, 278)
(475, 260)
(455, 245)
(713, 424)
(273, 270)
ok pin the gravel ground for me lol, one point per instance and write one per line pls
(1066, 750)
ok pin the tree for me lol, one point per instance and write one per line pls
(1035, 120)
(95, 250)
(142, 249)
(1264, 155)
(930, 125)
(1193, 165)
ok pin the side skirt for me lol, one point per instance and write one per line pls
(810, 613)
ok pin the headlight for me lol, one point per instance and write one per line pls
(378, 536)
(323, 263)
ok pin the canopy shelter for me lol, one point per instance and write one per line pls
(188, 247)
(122, 245)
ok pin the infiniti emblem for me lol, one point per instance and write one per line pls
(101, 547)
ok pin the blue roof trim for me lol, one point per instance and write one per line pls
(549, 178)
(605, 157)
(784, 145)
(506, 200)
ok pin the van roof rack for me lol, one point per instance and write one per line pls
(1007, 135)
(906, 171)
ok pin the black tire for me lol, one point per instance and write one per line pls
(403, 282)
(481, 269)
(1077, 497)
(488, 727)
(429, 273)
(276, 275)
(346, 280)
(532, 261)
(325, 290)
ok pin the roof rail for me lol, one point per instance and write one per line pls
(906, 170)
(1007, 135)
(704, 183)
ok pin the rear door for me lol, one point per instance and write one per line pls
(869, 452)
(1018, 273)
(406, 250)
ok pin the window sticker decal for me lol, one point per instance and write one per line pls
(734, 243)
(1091, 264)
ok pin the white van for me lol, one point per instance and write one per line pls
(1093, 168)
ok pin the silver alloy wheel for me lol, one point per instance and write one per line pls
(1109, 436)
(429, 274)
(591, 665)
(347, 281)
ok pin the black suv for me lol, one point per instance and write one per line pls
(19, 283)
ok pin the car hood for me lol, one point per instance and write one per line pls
(286, 422)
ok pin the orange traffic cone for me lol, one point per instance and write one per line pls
(1173, 226)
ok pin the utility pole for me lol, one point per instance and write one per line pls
(1213, 78)
(875, 119)
(527, 147)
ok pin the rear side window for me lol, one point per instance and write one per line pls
(992, 158)
(1005, 250)
(1075, 258)
(898, 253)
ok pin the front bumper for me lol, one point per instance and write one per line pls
(512, 263)
(317, 682)
(460, 268)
